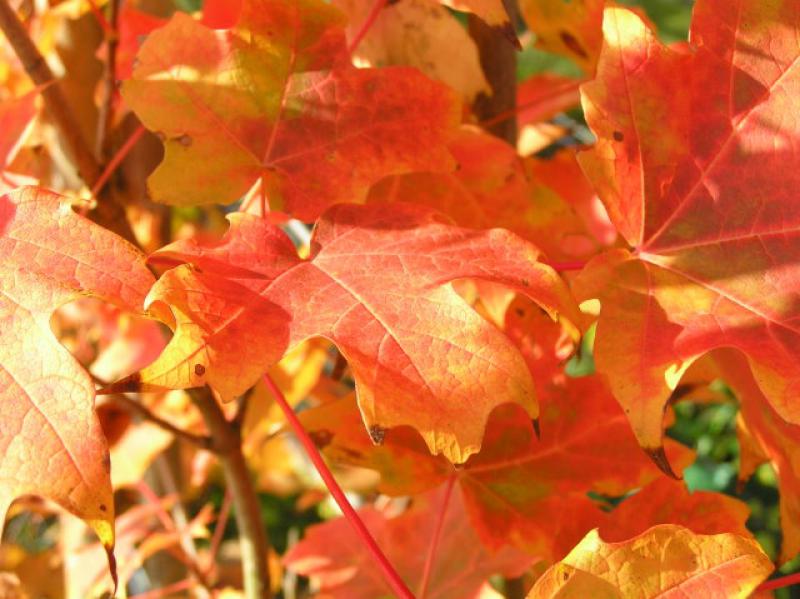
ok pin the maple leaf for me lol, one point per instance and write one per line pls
(15, 116)
(448, 563)
(765, 437)
(375, 285)
(51, 441)
(276, 100)
(544, 344)
(519, 489)
(692, 162)
(666, 501)
(665, 561)
(420, 34)
(134, 26)
(494, 187)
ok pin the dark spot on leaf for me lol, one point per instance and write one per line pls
(185, 140)
(519, 312)
(525, 283)
(103, 507)
(199, 369)
(573, 44)
(536, 429)
(618, 136)
(321, 438)
(377, 434)
(566, 576)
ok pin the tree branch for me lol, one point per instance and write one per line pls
(227, 444)
(199, 440)
(38, 70)
(106, 115)
(499, 63)
(108, 213)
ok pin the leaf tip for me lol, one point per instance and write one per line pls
(659, 457)
(130, 384)
(112, 567)
(377, 434)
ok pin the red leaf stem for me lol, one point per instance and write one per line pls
(115, 161)
(376, 9)
(219, 529)
(101, 19)
(779, 583)
(392, 578)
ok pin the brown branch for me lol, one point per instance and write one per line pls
(38, 70)
(227, 444)
(106, 114)
(499, 63)
(108, 213)
(201, 441)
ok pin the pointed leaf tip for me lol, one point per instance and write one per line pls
(536, 428)
(659, 457)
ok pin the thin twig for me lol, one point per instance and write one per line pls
(219, 529)
(514, 112)
(109, 214)
(369, 21)
(437, 535)
(117, 159)
(106, 113)
(389, 573)
(107, 27)
(202, 441)
(182, 527)
(227, 444)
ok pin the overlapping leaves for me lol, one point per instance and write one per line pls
(376, 284)
(275, 101)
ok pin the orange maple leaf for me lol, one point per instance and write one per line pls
(665, 561)
(275, 99)
(51, 440)
(695, 162)
(376, 285)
